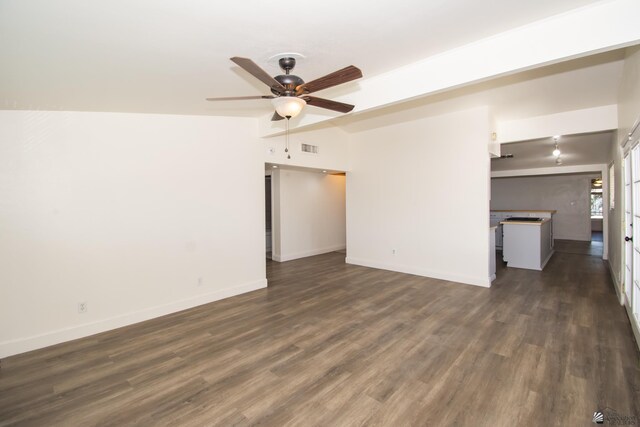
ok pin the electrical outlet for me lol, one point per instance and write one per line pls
(393, 251)
(200, 281)
(82, 307)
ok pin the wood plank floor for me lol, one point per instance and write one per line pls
(593, 248)
(332, 344)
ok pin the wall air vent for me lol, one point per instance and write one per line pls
(308, 148)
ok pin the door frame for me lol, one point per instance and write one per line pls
(627, 145)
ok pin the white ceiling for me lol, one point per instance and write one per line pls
(166, 56)
(572, 85)
(585, 149)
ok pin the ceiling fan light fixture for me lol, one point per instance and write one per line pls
(288, 106)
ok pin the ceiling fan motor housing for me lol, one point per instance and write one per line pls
(289, 81)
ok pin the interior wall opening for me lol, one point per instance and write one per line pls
(267, 215)
(307, 212)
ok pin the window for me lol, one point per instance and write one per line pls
(596, 198)
(596, 204)
(612, 187)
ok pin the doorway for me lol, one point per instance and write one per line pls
(307, 211)
(596, 200)
(267, 215)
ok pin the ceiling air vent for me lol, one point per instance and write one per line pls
(308, 148)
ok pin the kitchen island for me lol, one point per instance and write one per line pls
(527, 242)
(499, 215)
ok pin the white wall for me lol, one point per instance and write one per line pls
(421, 188)
(125, 212)
(596, 119)
(629, 93)
(596, 224)
(309, 214)
(616, 220)
(628, 113)
(568, 194)
(332, 145)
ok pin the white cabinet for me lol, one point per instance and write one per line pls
(496, 216)
(527, 245)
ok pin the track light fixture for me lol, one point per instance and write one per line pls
(556, 151)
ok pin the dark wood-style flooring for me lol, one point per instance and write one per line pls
(594, 248)
(331, 344)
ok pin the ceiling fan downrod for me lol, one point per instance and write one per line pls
(289, 81)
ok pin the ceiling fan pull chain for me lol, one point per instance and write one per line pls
(286, 148)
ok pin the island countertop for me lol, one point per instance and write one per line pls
(524, 210)
(540, 222)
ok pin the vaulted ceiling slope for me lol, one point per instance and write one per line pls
(571, 85)
(166, 56)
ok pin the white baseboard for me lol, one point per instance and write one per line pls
(616, 284)
(573, 238)
(485, 282)
(21, 345)
(634, 325)
(622, 299)
(304, 254)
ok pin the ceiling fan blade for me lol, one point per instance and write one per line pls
(328, 104)
(337, 77)
(257, 72)
(240, 98)
(276, 117)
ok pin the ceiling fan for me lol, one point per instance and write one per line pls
(290, 92)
